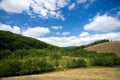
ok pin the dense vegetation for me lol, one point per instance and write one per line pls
(10, 41)
(21, 61)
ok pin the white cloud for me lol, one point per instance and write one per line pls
(84, 34)
(65, 33)
(81, 1)
(86, 3)
(14, 6)
(103, 23)
(43, 8)
(61, 3)
(71, 6)
(77, 41)
(36, 32)
(56, 27)
(48, 8)
(14, 29)
(59, 41)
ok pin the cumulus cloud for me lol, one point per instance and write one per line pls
(77, 41)
(84, 34)
(48, 8)
(14, 6)
(36, 32)
(43, 8)
(71, 6)
(56, 27)
(65, 33)
(14, 29)
(103, 23)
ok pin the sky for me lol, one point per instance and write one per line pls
(62, 22)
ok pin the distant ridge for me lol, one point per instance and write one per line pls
(113, 46)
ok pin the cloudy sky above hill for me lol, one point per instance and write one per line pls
(62, 22)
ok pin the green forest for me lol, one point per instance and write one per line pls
(20, 55)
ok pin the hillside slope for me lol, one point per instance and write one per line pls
(11, 41)
(106, 47)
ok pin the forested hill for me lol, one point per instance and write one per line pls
(11, 41)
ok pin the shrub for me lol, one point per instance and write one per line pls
(103, 61)
(9, 68)
(116, 60)
(80, 63)
(72, 62)
(106, 59)
(35, 65)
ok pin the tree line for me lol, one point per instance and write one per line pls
(22, 62)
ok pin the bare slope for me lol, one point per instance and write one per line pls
(106, 47)
(74, 74)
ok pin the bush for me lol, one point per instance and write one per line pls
(35, 65)
(104, 61)
(80, 63)
(72, 62)
(116, 60)
(9, 68)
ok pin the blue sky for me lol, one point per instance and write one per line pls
(62, 22)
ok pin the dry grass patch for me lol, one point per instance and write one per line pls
(106, 47)
(74, 74)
